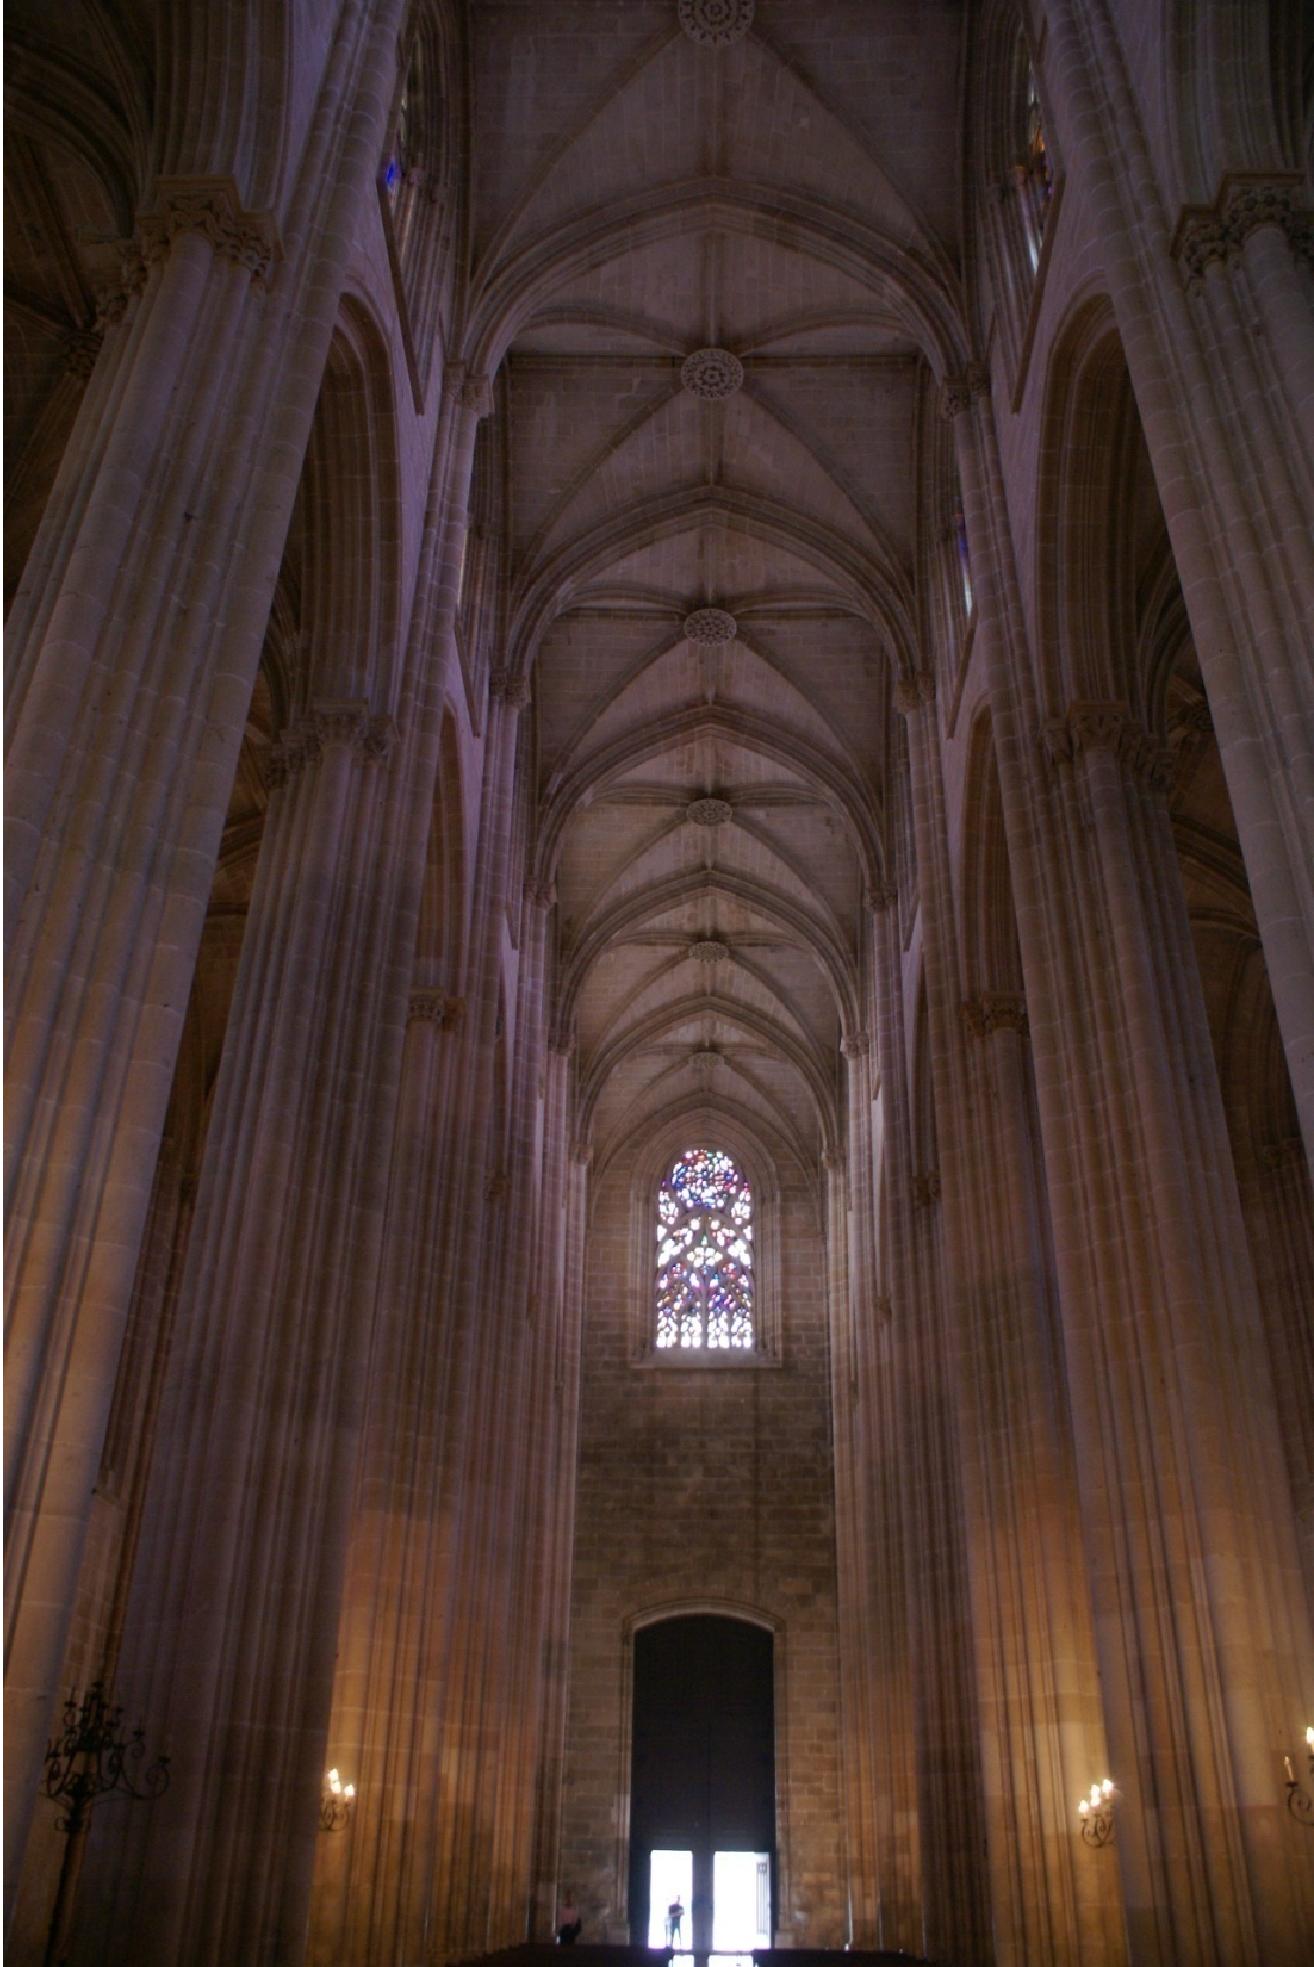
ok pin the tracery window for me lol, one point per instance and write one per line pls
(412, 176)
(1031, 169)
(963, 559)
(704, 1287)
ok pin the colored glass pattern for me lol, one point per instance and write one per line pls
(704, 1255)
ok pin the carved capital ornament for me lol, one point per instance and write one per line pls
(1215, 235)
(212, 207)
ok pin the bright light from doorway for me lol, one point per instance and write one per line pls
(670, 1877)
(741, 1901)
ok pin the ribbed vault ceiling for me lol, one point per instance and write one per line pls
(712, 811)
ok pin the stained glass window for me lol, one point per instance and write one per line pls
(704, 1255)
(1031, 171)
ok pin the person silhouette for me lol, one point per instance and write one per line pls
(674, 1921)
(569, 1921)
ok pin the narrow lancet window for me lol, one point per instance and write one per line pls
(704, 1255)
(1031, 171)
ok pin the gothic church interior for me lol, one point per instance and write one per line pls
(660, 1013)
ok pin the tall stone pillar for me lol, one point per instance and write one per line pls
(850, 1248)
(474, 1218)
(1042, 1728)
(886, 1475)
(134, 642)
(232, 1623)
(1201, 1628)
(1234, 476)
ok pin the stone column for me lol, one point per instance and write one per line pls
(566, 1220)
(1246, 581)
(1042, 1729)
(893, 1473)
(134, 642)
(474, 1211)
(1280, 1212)
(1186, 1511)
(231, 1627)
(382, 1729)
(850, 1230)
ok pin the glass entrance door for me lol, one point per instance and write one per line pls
(741, 1901)
(739, 1915)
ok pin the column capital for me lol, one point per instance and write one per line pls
(541, 894)
(436, 1007)
(855, 1045)
(81, 347)
(994, 1010)
(914, 692)
(877, 899)
(959, 393)
(468, 388)
(1208, 235)
(926, 1189)
(1092, 725)
(329, 724)
(508, 686)
(213, 207)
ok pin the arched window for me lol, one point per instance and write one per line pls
(1032, 176)
(704, 1296)
(412, 181)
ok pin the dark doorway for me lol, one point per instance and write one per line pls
(703, 1784)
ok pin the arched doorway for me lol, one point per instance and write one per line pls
(702, 1811)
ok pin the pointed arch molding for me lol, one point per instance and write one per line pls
(877, 589)
(829, 777)
(817, 938)
(802, 1057)
(922, 298)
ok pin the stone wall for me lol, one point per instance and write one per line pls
(705, 1488)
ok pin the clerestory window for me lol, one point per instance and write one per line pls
(705, 1278)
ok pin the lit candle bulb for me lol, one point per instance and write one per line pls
(349, 1791)
(1107, 1787)
(1083, 1808)
(1095, 1795)
(1291, 1775)
(1309, 1738)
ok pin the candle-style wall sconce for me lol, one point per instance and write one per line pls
(1299, 1801)
(1096, 1813)
(335, 1801)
